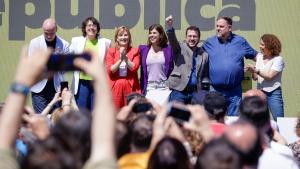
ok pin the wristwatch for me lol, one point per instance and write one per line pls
(17, 87)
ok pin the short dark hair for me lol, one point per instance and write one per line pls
(218, 153)
(73, 131)
(215, 104)
(255, 110)
(227, 19)
(193, 28)
(169, 153)
(84, 24)
(133, 95)
(140, 130)
(163, 40)
(48, 154)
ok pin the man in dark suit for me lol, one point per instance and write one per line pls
(190, 64)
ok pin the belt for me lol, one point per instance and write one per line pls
(190, 89)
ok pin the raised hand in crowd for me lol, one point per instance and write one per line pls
(28, 72)
(103, 122)
(38, 125)
(169, 21)
(199, 122)
(68, 100)
(55, 99)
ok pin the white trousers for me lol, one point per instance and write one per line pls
(158, 92)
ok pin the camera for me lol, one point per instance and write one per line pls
(142, 106)
(65, 62)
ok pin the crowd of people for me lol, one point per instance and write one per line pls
(171, 116)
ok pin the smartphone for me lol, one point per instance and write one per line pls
(142, 107)
(63, 85)
(64, 62)
(179, 112)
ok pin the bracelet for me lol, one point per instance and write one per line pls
(21, 88)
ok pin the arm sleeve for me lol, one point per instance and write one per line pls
(136, 60)
(173, 41)
(250, 53)
(278, 64)
(8, 159)
(109, 61)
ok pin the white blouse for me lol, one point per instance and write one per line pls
(276, 64)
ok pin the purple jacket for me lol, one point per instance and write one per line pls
(144, 49)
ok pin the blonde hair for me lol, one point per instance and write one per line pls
(119, 31)
(56, 115)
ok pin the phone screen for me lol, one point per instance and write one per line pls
(179, 113)
(63, 85)
(64, 62)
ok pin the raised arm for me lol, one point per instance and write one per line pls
(103, 122)
(28, 72)
(172, 36)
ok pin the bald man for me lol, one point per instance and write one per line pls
(246, 139)
(256, 92)
(43, 91)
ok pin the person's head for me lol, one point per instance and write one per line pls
(49, 29)
(218, 154)
(73, 130)
(90, 28)
(255, 110)
(246, 139)
(270, 45)
(256, 92)
(157, 36)
(195, 139)
(192, 36)
(133, 95)
(49, 154)
(223, 27)
(140, 130)
(215, 105)
(169, 153)
(122, 37)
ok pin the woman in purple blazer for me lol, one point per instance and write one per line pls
(156, 65)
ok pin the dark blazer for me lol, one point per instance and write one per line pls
(144, 50)
(183, 62)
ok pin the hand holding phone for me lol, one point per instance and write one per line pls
(65, 62)
(63, 85)
(179, 112)
(142, 106)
